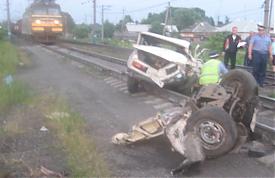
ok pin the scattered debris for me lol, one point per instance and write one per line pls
(268, 160)
(58, 115)
(8, 80)
(50, 173)
(258, 149)
(44, 129)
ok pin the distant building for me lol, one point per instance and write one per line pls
(132, 31)
(198, 32)
(244, 27)
(170, 29)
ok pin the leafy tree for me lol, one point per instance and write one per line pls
(227, 20)
(154, 17)
(109, 29)
(182, 17)
(68, 21)
(156, 28)
(82, 31)
(121, 24)
(3, 30)
(185, 17)
(210, 20)
(216, 41)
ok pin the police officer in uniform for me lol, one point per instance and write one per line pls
(212, 70)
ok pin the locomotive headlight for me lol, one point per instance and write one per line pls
(56, 22)
(38, 21)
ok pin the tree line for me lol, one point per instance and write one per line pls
(181, 17)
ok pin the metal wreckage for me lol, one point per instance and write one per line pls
(213, 121)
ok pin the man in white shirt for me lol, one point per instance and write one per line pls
(231, 47)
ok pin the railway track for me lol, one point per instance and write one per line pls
(117, 67)
(123, 53)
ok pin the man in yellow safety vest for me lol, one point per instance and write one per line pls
(212, 70)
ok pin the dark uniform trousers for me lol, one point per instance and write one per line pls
(232, 56)
(259, 66)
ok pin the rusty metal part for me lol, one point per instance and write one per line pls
(212, 95)
(150, 128)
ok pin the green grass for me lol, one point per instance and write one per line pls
(82, 154)
(16, 92)
(10, 95)
(8, 59)
(272, 95)
(118, 43)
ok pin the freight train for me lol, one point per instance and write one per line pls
(41, 21)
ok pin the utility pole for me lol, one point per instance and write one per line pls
(270, 16)
(94, 2)
(94, 22)
(102, 22)
(266, 12)
(123, 24)
(123, 20)
(273, 16)
(166, 18)
(8, 19)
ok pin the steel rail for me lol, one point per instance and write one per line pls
(171, 96)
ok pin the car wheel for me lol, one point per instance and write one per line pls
(132, 84)
(245, 87)
(243, 82)
(215, 128)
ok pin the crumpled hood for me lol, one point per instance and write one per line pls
(166, 54)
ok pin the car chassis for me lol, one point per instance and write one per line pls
(220, 116)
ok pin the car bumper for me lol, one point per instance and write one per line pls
(171, 82)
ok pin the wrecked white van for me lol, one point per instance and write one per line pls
(163, 60)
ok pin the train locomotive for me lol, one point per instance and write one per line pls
(42, 21)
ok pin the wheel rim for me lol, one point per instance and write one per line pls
(211, 133)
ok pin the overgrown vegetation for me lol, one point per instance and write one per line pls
(2, 33)
(12, 92)
(272, 95)
(215, 41)
(82, 155)
(118, 43)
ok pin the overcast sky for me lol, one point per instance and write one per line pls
(81, 10)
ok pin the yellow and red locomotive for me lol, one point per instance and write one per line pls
(43, 21)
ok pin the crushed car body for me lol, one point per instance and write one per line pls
(164, 60)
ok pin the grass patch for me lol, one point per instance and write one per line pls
(82, 155)
(15, 92)
(272, 95)
(8, 59)
(10, 95)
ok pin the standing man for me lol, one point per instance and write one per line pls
(273, 53)
(246, 61)
(231, 47)
(260, 49)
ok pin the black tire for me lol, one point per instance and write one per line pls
(132, 84)
(248, 91)
(223, 125)
(248, 87)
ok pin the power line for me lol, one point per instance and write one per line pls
(146, 8)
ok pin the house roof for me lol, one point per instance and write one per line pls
(200, 27)
(243, 26)
(132, 27)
